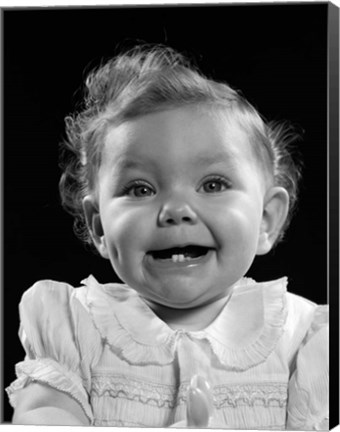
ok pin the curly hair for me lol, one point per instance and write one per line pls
(146, 79)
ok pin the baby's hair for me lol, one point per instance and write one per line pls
(147, 79)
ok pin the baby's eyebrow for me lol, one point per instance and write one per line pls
(125, 164)
(203, 160)
(214, 158)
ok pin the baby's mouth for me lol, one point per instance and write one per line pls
(180, 254)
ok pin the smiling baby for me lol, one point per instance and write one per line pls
(178, 182)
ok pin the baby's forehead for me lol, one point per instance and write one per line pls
(215, 125)
(185, 125)
(201, 134)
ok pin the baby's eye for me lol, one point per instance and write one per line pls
(215, 185)
(139, 190)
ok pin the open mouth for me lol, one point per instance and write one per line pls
(180, 254)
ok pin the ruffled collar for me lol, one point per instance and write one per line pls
(243, 335)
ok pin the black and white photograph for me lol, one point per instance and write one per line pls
(169, 239)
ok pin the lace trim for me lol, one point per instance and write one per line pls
(168, 396)
(116, 386)
(156, 344)
(268, 394)
(49, 372)
(114, 333)
(275, 314)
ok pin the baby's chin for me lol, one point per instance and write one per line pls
(178, 303)
(171, 294)
(180, 291)
(183, 302)
(188, 316)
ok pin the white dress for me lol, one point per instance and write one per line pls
(265, 356)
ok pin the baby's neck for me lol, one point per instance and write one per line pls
(194, 319)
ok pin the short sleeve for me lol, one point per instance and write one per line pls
(53, 329)
(308, 394)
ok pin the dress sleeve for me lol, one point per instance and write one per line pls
(308, 403)
(52, 333)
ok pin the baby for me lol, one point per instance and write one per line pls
(178, 181)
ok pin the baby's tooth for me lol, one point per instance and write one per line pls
(179, 258)
(175, 258)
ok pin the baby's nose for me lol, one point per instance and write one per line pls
(176, 213)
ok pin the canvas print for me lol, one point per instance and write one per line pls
(166, 216)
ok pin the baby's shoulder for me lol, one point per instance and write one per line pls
(55, 325)
(302, 309)
(47, 296)
(305, 319)
(52, 297)
(46, 288)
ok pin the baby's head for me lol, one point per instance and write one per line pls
(175, 178)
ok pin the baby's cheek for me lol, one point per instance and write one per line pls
(239, 231)
(126, 232)
(236, 221)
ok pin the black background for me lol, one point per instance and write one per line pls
(277, 56)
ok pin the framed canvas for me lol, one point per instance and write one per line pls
(282, 56)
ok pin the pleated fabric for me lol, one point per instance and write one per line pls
(265, 356)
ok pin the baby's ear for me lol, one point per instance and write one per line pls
(275, 211)
(94, 224)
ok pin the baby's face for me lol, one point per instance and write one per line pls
(180, 198)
